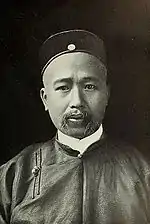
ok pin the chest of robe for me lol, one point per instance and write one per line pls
(107, 185)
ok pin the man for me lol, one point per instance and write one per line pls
(81, 175)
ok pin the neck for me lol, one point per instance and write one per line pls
(80, 144)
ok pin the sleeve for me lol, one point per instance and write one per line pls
(6, 182)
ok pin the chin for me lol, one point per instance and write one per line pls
(78, 133)
(79, 129)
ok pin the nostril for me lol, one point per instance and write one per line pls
(76, 107)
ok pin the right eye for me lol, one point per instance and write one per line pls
(63, 88)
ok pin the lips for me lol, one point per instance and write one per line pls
(76, 119)
(77, 116)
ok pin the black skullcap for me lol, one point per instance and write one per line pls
(71, 41)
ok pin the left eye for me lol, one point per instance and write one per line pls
(90, 87)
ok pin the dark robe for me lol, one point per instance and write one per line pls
(109, 184)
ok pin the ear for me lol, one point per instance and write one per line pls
(108, 90)
(43, 96)
(108, 94)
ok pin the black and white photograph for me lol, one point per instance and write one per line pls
(75, 112)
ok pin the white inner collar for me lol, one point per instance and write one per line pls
(80, 144)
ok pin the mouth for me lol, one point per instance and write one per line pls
(76, 117)
(76, 120)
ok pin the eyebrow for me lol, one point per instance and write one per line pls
(84, 79)
(62, 80)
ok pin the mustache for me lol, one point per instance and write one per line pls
(76, 114)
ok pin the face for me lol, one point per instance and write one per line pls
(75, 93)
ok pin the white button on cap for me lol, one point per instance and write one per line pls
(71, 47)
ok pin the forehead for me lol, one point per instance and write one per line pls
(74, 65)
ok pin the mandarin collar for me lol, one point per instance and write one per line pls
(80, 145)
(75, 153)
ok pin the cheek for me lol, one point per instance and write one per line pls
(56, 106)
(55, 113)
(97, 103)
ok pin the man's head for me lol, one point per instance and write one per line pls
(75, 92)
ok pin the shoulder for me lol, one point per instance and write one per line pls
(16, 175)
(119, 150)
(124, 153)
(121, 147)
(27, 157)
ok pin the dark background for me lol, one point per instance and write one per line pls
(24, 25)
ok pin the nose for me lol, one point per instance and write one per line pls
(76, 99)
